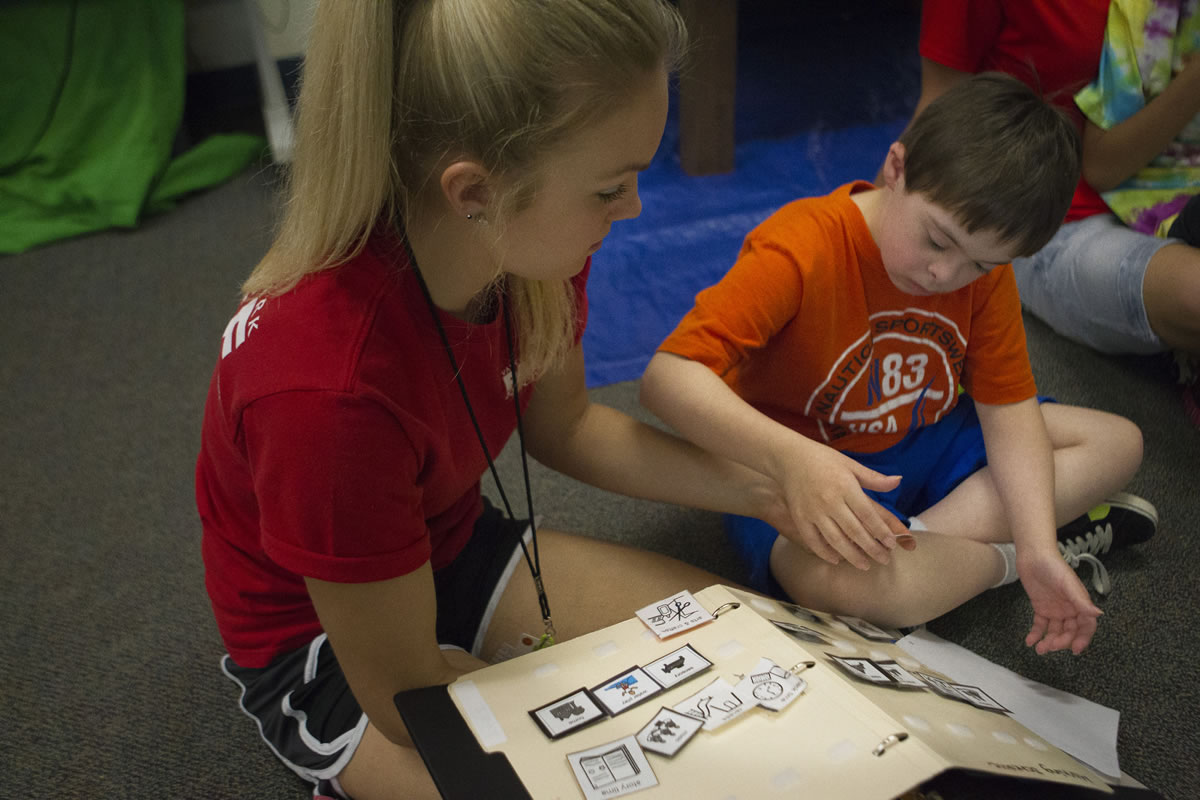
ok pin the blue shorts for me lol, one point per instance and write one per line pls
(933, 460)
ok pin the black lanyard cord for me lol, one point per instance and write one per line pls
(535, 565)
(534, 562)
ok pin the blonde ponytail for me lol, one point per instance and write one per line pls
(390, 90)
(341, 179)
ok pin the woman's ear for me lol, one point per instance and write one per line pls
(465, 188)
(893, 167)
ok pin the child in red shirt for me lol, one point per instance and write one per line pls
(1097, 281)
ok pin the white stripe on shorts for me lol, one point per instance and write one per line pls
(486, 621)
(348, 741)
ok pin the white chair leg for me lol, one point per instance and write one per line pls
(277, 114)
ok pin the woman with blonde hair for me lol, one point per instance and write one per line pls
(457, 162)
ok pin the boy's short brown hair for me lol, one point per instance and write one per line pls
(998, 157)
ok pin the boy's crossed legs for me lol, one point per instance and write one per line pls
(1095, 455)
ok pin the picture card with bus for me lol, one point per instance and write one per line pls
(567, 714)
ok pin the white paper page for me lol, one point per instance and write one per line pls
(1086, 730)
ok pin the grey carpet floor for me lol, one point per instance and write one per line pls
(109, 683)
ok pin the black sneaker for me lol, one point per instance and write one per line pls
(1100, 580)
(1119, 521)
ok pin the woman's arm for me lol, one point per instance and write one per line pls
(609, 449)
(833, 517)
(384, 636)
(1110, 157)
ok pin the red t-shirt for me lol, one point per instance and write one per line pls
(1053, 47)
(336, 444)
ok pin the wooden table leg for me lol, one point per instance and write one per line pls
(706, 87)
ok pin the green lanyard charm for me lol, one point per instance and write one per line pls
(547, 638)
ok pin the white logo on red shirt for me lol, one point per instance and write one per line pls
(240, 327)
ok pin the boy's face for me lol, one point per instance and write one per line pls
(925, 249)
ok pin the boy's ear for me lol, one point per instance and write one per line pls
(893, 167)
(464, 185)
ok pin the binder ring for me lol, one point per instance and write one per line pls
(800, 666)
(892, 739)
(727, 607)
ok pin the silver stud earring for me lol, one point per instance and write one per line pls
(469, 216)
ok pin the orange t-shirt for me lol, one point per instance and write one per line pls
(808, 328)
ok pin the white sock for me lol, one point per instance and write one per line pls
(1009, 551)
(915, 524)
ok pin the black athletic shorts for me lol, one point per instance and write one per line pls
(300, 701)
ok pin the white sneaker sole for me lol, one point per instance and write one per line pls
(1134, 503)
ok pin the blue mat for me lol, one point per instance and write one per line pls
(647, 274)
(822, 92)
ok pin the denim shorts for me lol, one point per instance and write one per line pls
(1086, 284)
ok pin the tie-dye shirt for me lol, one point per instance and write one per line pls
(1144, 45)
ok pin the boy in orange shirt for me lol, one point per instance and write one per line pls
(830, 358)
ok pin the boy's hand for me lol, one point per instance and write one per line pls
(834, 517)
(1063, 613)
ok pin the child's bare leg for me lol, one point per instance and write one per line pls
(1095, 455)
(941, 574)
(1171, 293)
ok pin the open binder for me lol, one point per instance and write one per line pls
(845, 737)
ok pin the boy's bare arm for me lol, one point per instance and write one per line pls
(1113, 156)
(834, 518)
(1021, 463)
